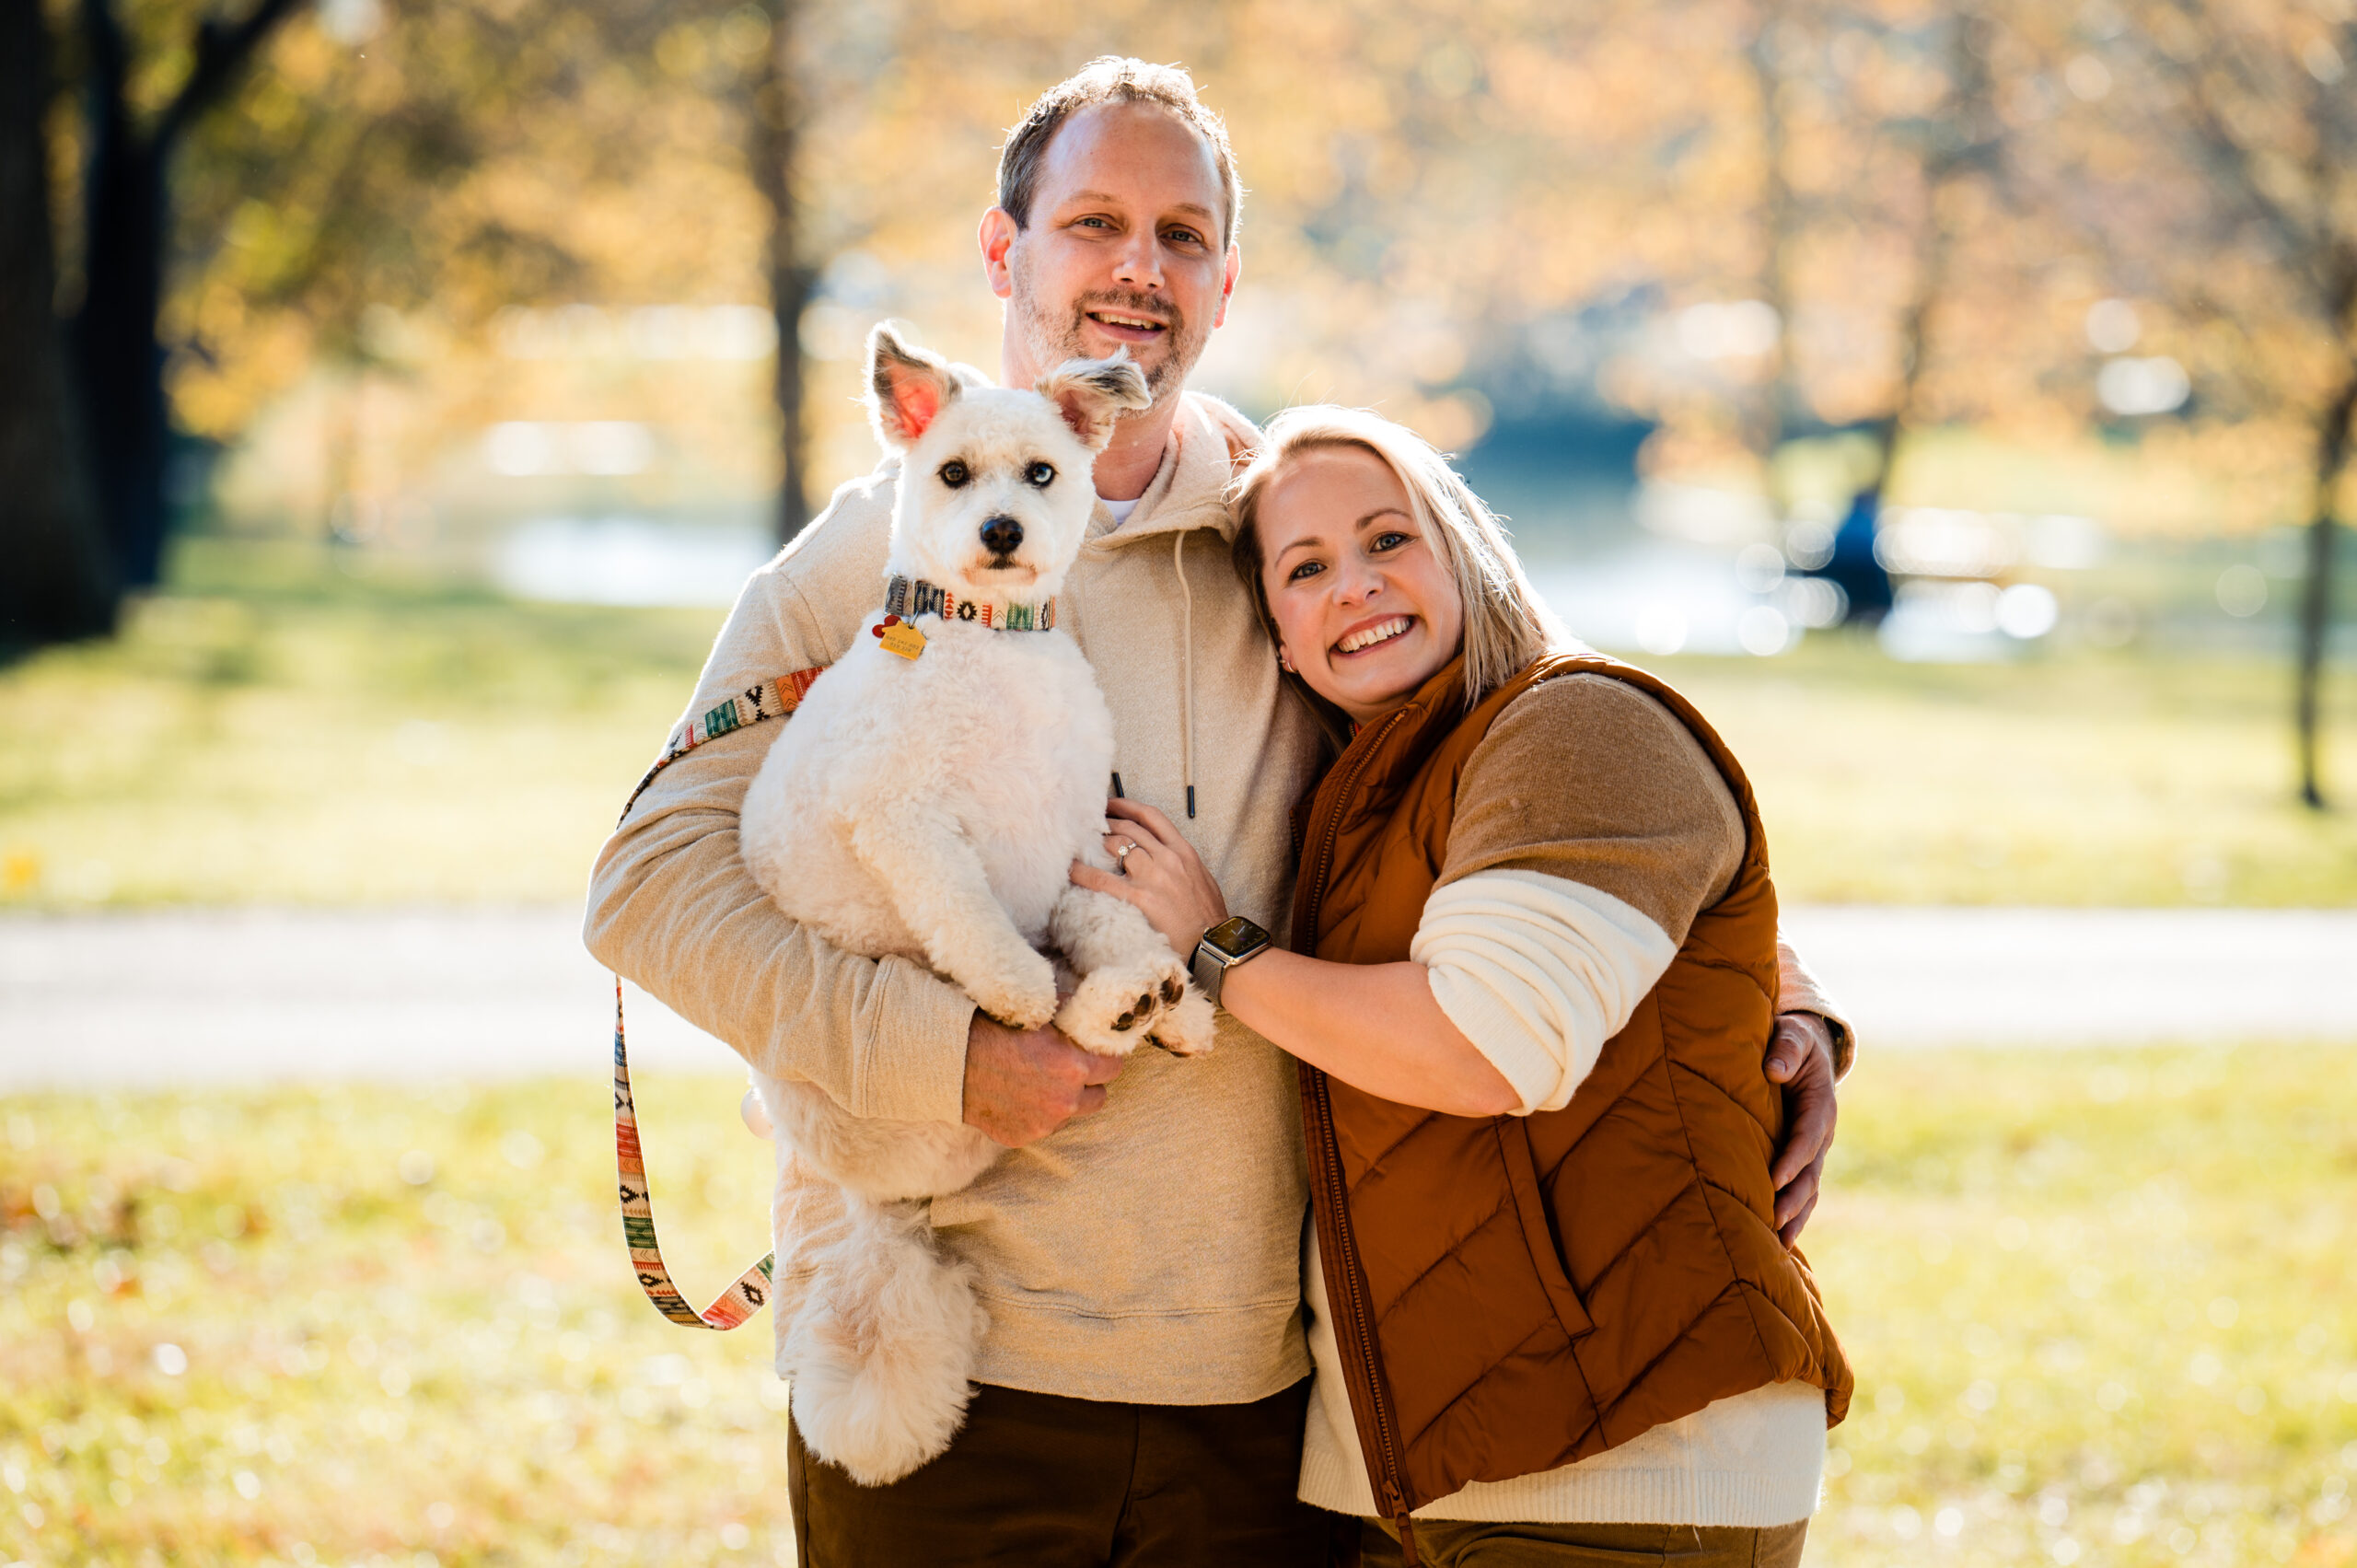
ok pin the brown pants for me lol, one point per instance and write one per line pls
(1448, 1543)
(1043, 1481)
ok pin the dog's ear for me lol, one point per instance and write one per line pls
(907, 387)
(1091, 393)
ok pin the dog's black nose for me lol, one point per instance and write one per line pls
(1000, 535)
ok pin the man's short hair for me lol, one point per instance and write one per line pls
(1110, 78)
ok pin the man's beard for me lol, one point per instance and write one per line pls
(1054, 338)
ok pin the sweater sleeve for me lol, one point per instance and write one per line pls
(1591, 829)
(1798, 991)
(1587, 778)
(1538, 972)
(672, 907)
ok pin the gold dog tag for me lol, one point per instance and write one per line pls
(901, 637)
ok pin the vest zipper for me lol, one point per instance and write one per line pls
(1355, 1326)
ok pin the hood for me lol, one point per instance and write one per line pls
(1210, 442)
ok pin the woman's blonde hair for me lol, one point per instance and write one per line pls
(1507, 626)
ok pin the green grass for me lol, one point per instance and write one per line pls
(272, 732)
(2102, 1299)
(2103, 1310)
(2082, 779)
(268, 734)
(408, 1328)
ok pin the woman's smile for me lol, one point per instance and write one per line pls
(1369, 636)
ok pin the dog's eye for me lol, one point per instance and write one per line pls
(1040, 475)
(954, 473)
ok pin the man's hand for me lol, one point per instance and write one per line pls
(1800, 1057)
(1022, 1085)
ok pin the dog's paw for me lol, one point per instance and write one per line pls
(1023, 996)
(1121, 1004)
(1186, 1028)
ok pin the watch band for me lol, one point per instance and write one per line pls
(1224, 947)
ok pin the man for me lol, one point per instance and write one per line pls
(1144, 1381)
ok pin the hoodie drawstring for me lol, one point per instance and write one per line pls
(1185, 668)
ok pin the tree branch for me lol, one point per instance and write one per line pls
(2300, 239)
(222, 47)
(108, 59)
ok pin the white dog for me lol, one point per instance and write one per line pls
(927, 799)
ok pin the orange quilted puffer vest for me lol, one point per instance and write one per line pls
(1513, 1293)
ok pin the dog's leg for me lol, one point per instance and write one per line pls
(882, 1355)
(938, 883)
(1133, 987)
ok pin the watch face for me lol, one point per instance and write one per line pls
(1235, 935)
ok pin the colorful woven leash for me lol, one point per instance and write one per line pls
(736, 1303)
(771, 700)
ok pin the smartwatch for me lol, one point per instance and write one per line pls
(1224, 947)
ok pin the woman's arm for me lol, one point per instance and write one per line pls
(1572, 904)
(1590, 826)
(1375, 1027)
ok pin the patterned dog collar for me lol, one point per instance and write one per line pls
(912, 597)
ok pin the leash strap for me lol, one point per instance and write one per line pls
(736, 1303)
(770, 700)
(755, 705)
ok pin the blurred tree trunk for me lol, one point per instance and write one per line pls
(790, 289)
(118, 355)
(1770, 409)
(777, 121)
(2336, 265)
(2316, 597)
(1962, 143)
(1914, 327)
(120, 363)
(58, 583)
(2229, 82)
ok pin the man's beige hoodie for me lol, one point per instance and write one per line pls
(1149, 1252)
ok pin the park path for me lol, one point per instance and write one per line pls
(245, 996)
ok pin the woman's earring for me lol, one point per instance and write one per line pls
(1285, 661)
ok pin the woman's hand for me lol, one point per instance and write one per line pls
(1161, 873)
(1372, 1026)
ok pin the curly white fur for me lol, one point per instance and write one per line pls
(931, 808)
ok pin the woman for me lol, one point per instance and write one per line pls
(1534, 970)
